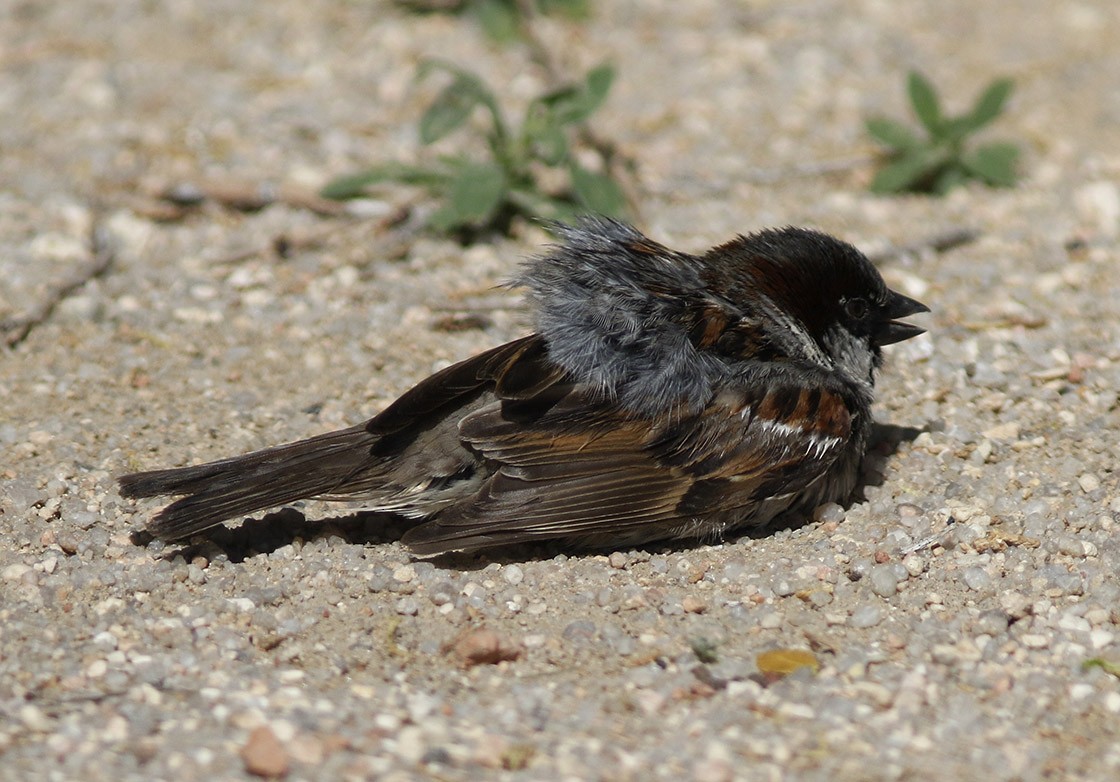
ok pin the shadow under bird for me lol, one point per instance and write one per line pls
(663, 396)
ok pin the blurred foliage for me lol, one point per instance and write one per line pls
(1108, 666)
(943, 158)
(502, 20)
(484, 194)
(706, 649)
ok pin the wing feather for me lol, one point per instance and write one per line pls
(578, 473)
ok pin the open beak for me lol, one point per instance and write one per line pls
(891, 330)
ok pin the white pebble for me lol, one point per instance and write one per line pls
(829, 512)
(404, 574)
(1073, 546)
(1099, 203)
(771, 621)
(1089, 482)
(914, 564)
(1081, 691)
(1076, 624)
(513, 574)
(976, 578)
(866, 616)
(410, 744)
(883, 580)
(242, 604)
(34, 718)
(1099, 639)
(387, 721)
(15, 572)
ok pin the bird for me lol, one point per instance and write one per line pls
(662, 396)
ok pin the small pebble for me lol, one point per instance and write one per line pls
(1099, 639)
(883, 580)
(783, 588)
(410, 744)
(579, 630)
(1072, 546)
(992, 622)
(1089, 482)
(976, 578)
(771, 621)
(34, 718)
(915, 565)
(1075, 624)
(15, 572)
(866, 616)
(404, 574)
(264, 755)
(829, 512)
(693, 605)
(859, 568)
(483, 647)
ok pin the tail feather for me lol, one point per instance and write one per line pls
(245, 484)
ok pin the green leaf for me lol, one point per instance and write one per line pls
(473, 197)
(544, 207)
(893, 134)
(994, 163)
(550, 145)
(498, 19)
(953, 131)
(705, 649)
(448, 111)
(445, 219)
(557, 101)
(989, 105)
(572, 104)
(355, 185)
(1108, 666)
(947, 178)
(573, 9)
(923, 97)
(906, 172)
(599, 81)
(456, 101)
(597, 192)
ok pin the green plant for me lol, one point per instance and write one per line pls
(705, 649)
(488, 193)
(502, 20)
(943, 159)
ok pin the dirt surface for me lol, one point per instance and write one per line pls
(952, 611)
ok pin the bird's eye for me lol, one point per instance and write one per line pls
(857, 308)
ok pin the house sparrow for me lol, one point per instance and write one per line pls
(663, 396)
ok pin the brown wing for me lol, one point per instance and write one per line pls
(583, 473)
(450, 386)
(418, 463)
(407, 458)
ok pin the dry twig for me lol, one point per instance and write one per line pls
(101, 255)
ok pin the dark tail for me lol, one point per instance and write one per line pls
(242, 485)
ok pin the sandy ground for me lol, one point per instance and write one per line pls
(952, 611)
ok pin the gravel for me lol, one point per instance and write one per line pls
(952, 609)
